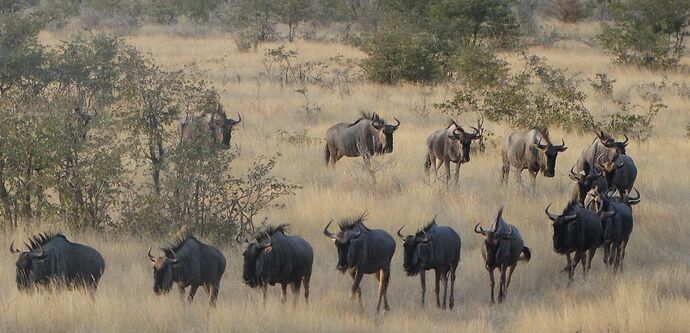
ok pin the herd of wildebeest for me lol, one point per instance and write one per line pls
(599, 215)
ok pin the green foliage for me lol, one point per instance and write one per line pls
(602, 84)
(648, 33)
(626, 122)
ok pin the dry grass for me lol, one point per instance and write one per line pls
(652, 295)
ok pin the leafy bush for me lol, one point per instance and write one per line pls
(602, 84)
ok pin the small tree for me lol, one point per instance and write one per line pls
(293, 13)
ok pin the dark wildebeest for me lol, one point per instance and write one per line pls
(532, 151)
(592, 178)
(617, 221)
(433, 247)
(366, 137)
(215, 127)
(577, 230)
(503, 248)
(188, 262)
(603, 149)
(364, 251)
(278, 258)
(620, 173)
(446, 145)
(52, 260)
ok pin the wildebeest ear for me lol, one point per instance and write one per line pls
(268, 249)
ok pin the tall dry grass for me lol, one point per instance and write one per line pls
(653, 294)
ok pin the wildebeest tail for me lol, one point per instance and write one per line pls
(327, 154)
(526, 254)
(427, 163)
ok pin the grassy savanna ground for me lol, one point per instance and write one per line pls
(653, 294)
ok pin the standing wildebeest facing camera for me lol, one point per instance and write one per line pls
(603, 149)
(433, 247)
(617, 221)
(446, 145)
(503, 248)
(592, 178)
(576, 230)
(532, 151)
(188, 262)
(367, 136)
(364, 251)
(215, 127)
(620, 173)
(52, 260)
(278, 258)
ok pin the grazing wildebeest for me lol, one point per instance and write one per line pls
(577, 230)
(617, 221)
(367, 136)
(215, 127)
(620, 173)
(603, 149)
(449, 144)
(532, 151)
(278, 258)
(364, 251)
(433, 247)
(188, 262)
(592, 178)
(53, 261)
(503, 248)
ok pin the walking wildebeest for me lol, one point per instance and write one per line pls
(188, 262)
(215, 127)
(603, 149)
(618, 225)
(364, 251)
(449, 144)
(503, 248)
(433, 247)
(367, 136)
(620, 173)
(53, 261)
(592, 178)
(532, 151)
(577, 230)
(278, 258)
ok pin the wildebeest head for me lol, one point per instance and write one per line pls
(497, 241)
(590, 178)
(465, 139)
(548, 167)
(609, 167)
(418, 250)
(163, 270)
(563, 233)
(628, 199)
(345, 239)
(31, 266)
(252, 257)
(610, 142)
(221, 127)
(384, 131)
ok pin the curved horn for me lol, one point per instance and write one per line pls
(476, 134)
(398, 124)
(13, 250)
(553, 217)
(328, 233)
(633, 201)
(426, 237)
(172, 260)
(574, 175)
(238, 240)
(270, 241)
(150, 256)
(540, 145)
(400, 234)
(625, 143)
(561, 146)
(239, 118)
(38, 255)
(480, 230)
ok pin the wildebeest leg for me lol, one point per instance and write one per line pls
(192, 291)
(533, 176)
(422, 278)
(576, 260)
(437, 165)
(502, 284)
(295, 291)
(283, 293)
(457, 172)
(437, 288)
(590, 256)
(264, 288)
(386, 278)
(570, 268)
(214, 292)
(492, 282)
(182, 291)
(451, 300)
(355, 286)
(505, 173)
(446, 161)
(444, 278)
(306, 280)
(518, 177)
(510, 276)
(624, 245)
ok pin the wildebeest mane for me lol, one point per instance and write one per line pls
(351, 223)
(270, 230)
(368, 116)
(544, 133)
(178, 243)
(428, 226)
(37, 241)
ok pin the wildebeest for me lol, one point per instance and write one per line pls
(503, 248)
(620, 173)
(449, 144)
(617, 221)
(188, 262)
(603, 149)
(590, 178)
(53, 261)
(576, 230)
(433, 247)
(278, 258)
(364, 251)
(368, 136)
(532, 151)
(215, 127)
